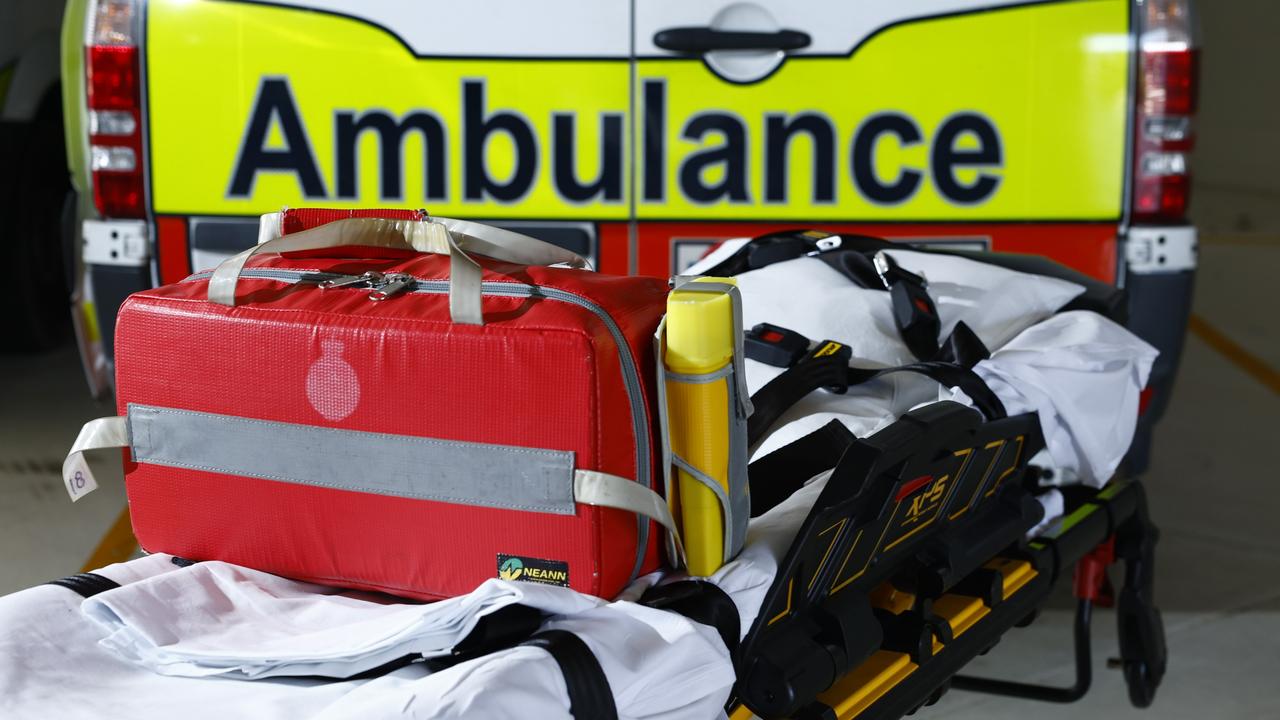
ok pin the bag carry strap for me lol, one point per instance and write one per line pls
(256, 448)
(107, 432)
(443, 236)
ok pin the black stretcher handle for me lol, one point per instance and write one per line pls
(695, 40)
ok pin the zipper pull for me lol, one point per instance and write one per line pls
(391, 284)
(371, 279)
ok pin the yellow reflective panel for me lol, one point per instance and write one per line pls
(306, 105)
(1009, 114)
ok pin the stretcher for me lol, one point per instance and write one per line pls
(915, 558)
(922, 543)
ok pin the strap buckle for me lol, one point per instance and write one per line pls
(828, 244)
(891, 272)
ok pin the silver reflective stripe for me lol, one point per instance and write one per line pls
(630, 375)
(467, 473)
(701, 378)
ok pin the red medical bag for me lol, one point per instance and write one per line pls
(343, 428)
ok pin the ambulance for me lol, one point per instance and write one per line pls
(640, 132)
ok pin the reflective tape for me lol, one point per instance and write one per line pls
(468, 473)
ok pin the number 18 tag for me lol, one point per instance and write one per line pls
(77, 476)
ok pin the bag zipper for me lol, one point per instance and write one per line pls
(390, 284)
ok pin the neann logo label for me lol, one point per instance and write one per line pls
(527, 569)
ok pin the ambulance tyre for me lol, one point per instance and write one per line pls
(33, 193)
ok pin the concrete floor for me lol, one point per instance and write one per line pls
(1213, 495)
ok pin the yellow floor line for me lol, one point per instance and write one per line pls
(1251, 364)
(1244, 239)
(116, 546)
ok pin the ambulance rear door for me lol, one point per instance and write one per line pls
(975, 122)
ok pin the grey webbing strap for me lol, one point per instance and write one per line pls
(722, 497)
(604, 490)
(100, 434)
(701, 379)
(444, 236)
(478, 474)
(664, 429)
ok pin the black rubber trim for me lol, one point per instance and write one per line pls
(86, 585)
(590, 697)
(700, 601)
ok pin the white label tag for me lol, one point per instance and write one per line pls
(77, 476)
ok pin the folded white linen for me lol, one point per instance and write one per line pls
(1054, 505)
(659, 665)
(1083, 374)
(51, 666)
(215, 618)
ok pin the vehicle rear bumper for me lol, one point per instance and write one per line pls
(116, 257)
(1160, 269)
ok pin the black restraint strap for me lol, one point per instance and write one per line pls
(914, 312)
(779, 394)
(86, 584)
(948, 374)
(500, 629)
(962, 347)
(701, 602)
(774, 477)
(796, 382)
(590, 697)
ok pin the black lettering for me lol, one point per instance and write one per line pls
(732, 153)
(476, 129)
(391, 134)
(275, 100)
(655, 140)
(608, 182)
(947, 158)
(863, 160)
(777, 139)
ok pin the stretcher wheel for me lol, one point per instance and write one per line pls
(1142, 691)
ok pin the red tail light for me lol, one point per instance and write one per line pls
(115, 127)
(1166, 104)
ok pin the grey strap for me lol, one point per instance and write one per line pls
(444, 236)
(108, 432)
(469, 473)
(605, 490)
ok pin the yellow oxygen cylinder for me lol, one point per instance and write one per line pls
(700, 341)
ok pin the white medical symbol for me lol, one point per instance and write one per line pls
(332, 384)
